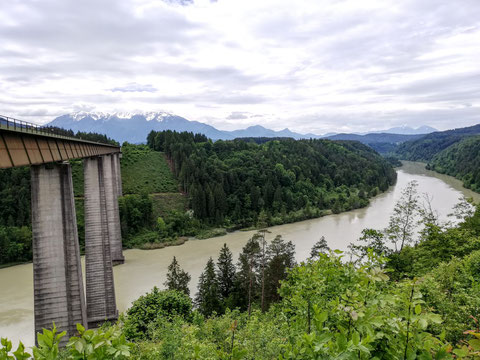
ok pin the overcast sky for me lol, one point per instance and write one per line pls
(309, 65)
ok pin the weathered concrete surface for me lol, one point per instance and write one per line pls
(118, 172)
(57, 272)
(113, 215)
(101, 305)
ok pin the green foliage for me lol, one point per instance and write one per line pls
(425, 148)
(15, 244)
(320, 247)
(145, 171)
(280, 258)
(231, 182)
(15, 197)
(177, 279)
(15, 233)
(146, 309)
(208, 298)
(226, 275)
(400, 230)
(330, 309)
(100, 344)
(90, 136)
(335, 310)
(48, 344)
(135, 213)
(461, 160)
(19, 354)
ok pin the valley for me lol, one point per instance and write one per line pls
(145, 269)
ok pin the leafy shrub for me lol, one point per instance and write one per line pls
(146, 309)
(99, 344)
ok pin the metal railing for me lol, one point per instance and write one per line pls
(13, 124)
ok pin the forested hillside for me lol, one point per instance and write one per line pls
(425, 148)
(232, 182)
(461, 160)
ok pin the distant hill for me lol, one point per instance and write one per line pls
(134, 128)
(406, 130)
(426, 147)
(383, 143)
(461, 160)
(376, 138)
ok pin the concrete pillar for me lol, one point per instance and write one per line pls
(113, 215)
(118, 172)
(101, 304)
(57, 273)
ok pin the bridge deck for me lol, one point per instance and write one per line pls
(23, 144)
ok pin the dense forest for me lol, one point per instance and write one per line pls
(406, 293)
(231, 183)
(425, 148)
(461, 160)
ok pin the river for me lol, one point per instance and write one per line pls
(144, 269)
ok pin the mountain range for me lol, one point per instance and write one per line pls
(134, 128)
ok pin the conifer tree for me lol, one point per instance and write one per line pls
(281, 256)
(246, 281)
(177, 279)
(260, 236)
(320, 246)
(225, 274)
(208, 296)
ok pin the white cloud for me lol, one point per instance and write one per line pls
(312, 66)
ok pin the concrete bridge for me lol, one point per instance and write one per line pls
(59, 294)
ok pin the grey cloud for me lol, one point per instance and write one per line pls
(207, 98)
(237, 115)
(54, 40)
(179, 2)
(441, 119)
(134, 87)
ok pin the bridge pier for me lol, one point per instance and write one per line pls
(101, 304)
(57, 275)
(118, 173)
(111, 177)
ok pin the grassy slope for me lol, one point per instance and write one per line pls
(144, 170)
(163, 203)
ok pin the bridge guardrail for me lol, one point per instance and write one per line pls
(13, 124)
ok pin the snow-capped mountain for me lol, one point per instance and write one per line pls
(134, 127)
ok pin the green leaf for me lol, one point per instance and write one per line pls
(323, 316)
(418, 309)
(475, 344)
(79, 346)
(20, 353)
(356, 338)
(423, 323)
(462, 352)
(80, 328)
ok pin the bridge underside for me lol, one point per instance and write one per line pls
(21, 148)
